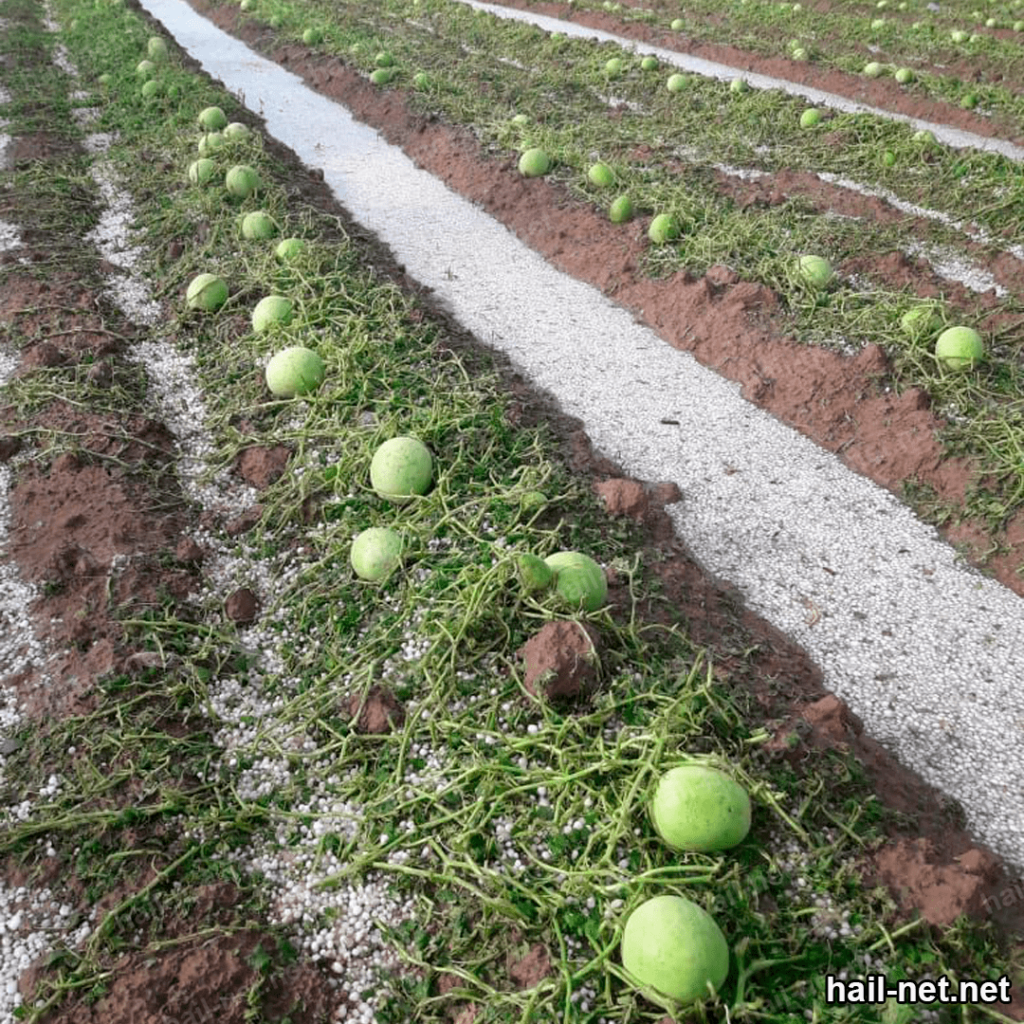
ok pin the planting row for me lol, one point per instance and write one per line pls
(985, 43)
(548, 86)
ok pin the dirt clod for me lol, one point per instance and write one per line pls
(188, 552)
(665, 492)
(243, 522)
(259, 466)
(100, 374)
(561, 660)
(42, 356)
(241, 606)
(9, 447)
(623, 497)
(380, 711)
(532, 969)
(940, 891)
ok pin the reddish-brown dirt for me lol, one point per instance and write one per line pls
(96, 525)
(99, 520)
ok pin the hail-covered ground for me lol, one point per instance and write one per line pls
(250, 706)
(741, 526)
(947, 264)
(351, 943)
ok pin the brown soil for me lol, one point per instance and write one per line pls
(98, 526)
(99, 520)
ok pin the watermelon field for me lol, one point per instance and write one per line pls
(511, 513)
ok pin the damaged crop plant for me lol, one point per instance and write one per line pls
(391, 709)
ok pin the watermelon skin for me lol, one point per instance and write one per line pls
(534, 573)
(959, 348)
(401, 468)
(271, 310)
(579, 581)
(295, 370)
(376, 553)
(534, 163)
(701, 809)
(674, 948)
(207, 292)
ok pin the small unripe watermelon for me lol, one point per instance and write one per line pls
(295, 370)
(814, 271)
(694, 807)
(401, 468)
(621, 210)
(921, 321)
(663, 228)
(959, 348)
(258, 225)
(207, 292)
(376, 553)
(288, 248)
(533, 163)
(213, 119)
(241, 181)
(579, 581)
(534, 572)
(532, 500)
(211, 142)
(674, 949)
(271, 310)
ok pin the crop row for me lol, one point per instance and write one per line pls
(519, 88)
(486, 813)
(929, 37)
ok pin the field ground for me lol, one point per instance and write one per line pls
(240, 784)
